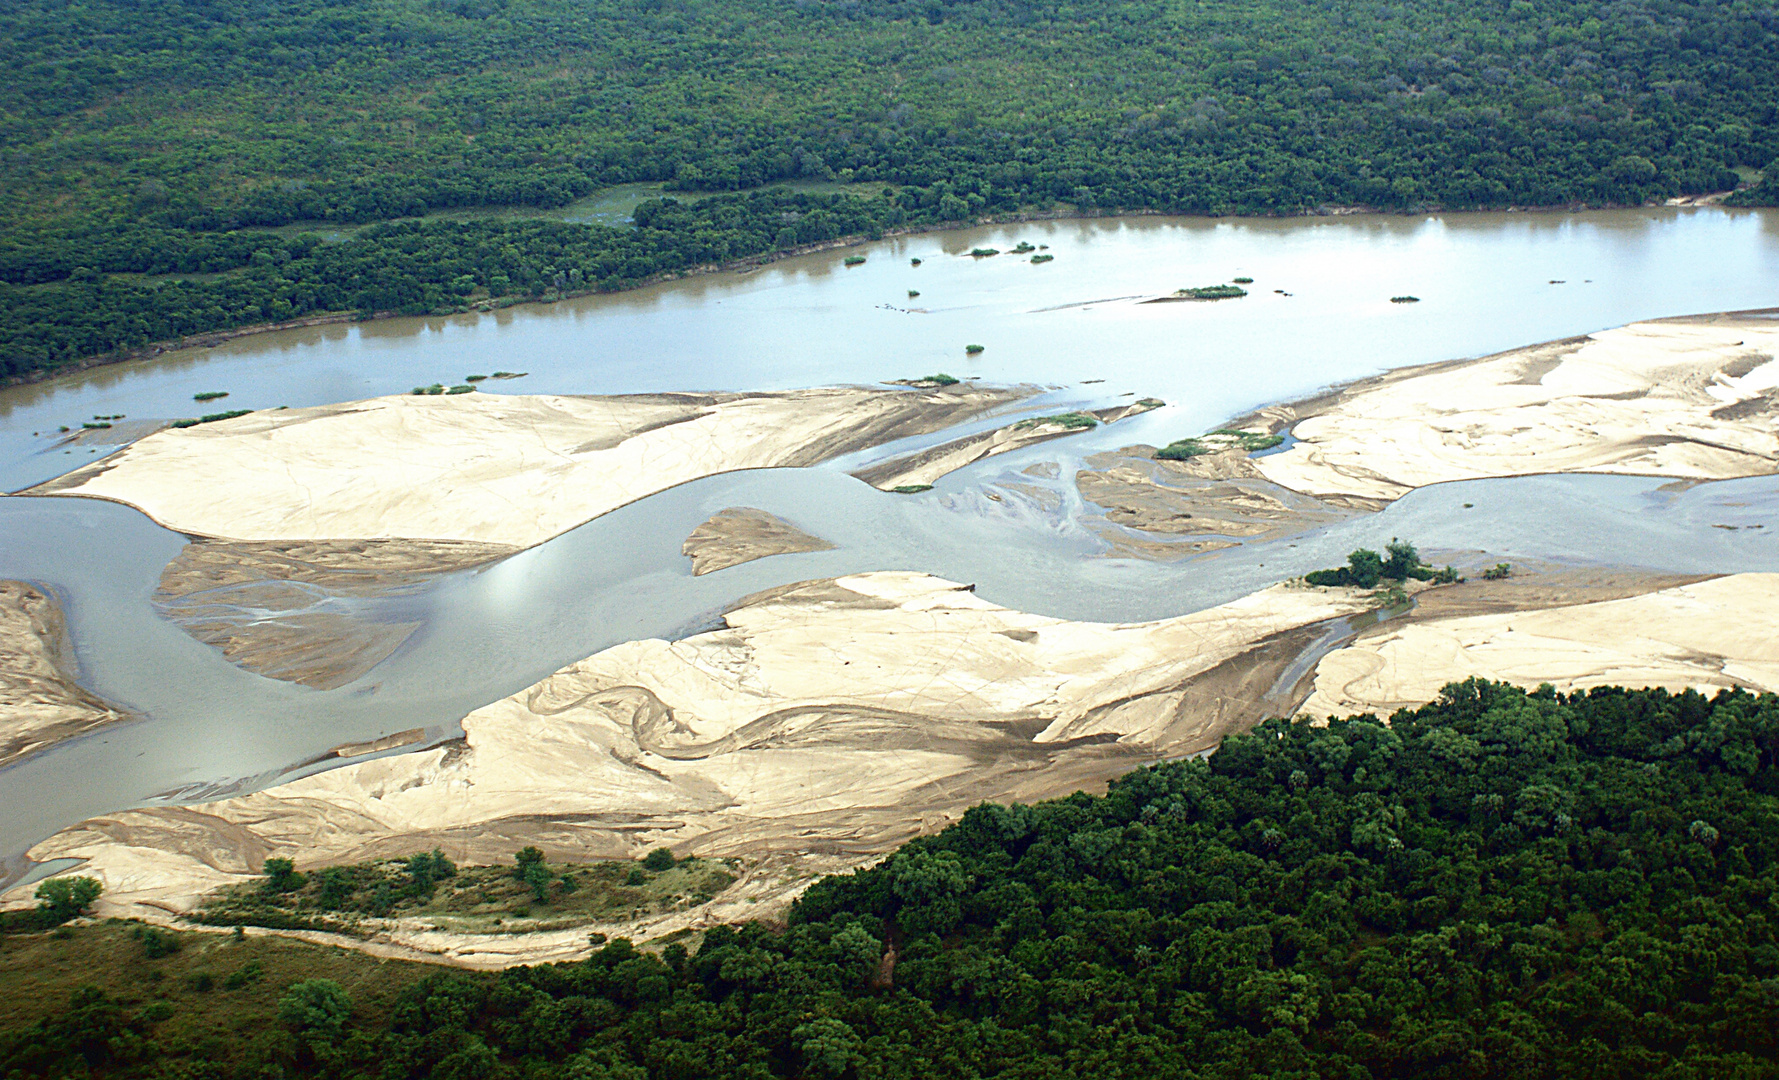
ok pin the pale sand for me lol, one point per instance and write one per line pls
(40, 704)
(488, 468)
(741, 534)
(833, 719)
(1709, 635)
(1692, 398)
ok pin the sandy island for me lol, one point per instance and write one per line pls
(488, 468)
(40, 704)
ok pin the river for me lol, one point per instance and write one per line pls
(1486, 283)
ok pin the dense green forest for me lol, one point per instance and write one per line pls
(1499, 884)
(142, 141)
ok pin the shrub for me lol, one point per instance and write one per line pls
(1212, 292)
(210, 395)
(281, 876)
(1243, 280)
(855, 260)
(1498, 572)
(973, 349)
(316, 1008)
(63, 898)
(658, 860)
(524, 859)
(155, 942)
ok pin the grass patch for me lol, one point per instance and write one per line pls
(529, 895)
(1243, 280)
(466, 388)
(983, 253)
(1023, 248)
(1074, 421)
(1213, 442)
(1041, 259)
(210, 996)
(210, 395)
(855, 260)
(1405, 299)
(211, 418)
(1212, 292)
(972, 350)
(911, 489)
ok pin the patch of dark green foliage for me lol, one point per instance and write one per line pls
(1366, 568)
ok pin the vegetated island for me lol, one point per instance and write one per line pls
(1201, 292)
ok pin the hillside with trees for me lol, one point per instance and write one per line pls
(163, 158)
(1499, 884)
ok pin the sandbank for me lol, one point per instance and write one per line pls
(924, 469)
(1690, 398)
(40, 703)
(741, 534)
(488, 468)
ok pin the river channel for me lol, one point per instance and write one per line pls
(1486, 283)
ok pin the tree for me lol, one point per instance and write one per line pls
(524, 859)
(281, 876)
(658, 860)
(316, 1008)
(64, 898)
(1402, 560)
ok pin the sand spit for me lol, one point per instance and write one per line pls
(489, 468)
(40, 704)
(742, 534)
(1709, 635)
(924, 469)
(271, 606)
(834, 719)
(1693, 398)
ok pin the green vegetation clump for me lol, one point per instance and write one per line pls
(211, 418)
(475, 378)
(1023, 247)
(1216, 441)
(1405, 299)
(210, 395)
(983, 252)
(938, 378)
(188, 422)
(1366, 568)
(1212, 292)
(855, 260)
(972, 350)
(1074, 421)
(911, 489)
(913, 262)
(1498, 572)
(422, 391)
(912, 293)
(96, 425)
(466, 388)
(1498, 883)
(507, 375)
(1039, 260)
(1150, 403)
(1243, 280)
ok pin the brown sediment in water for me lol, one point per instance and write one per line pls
(741, 534)
(40, 702)
(254, 600)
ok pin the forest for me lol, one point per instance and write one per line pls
(1502, 883)
(179, 166)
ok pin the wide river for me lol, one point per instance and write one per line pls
(1319, 313)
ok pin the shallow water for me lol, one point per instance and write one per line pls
(1485, 284)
